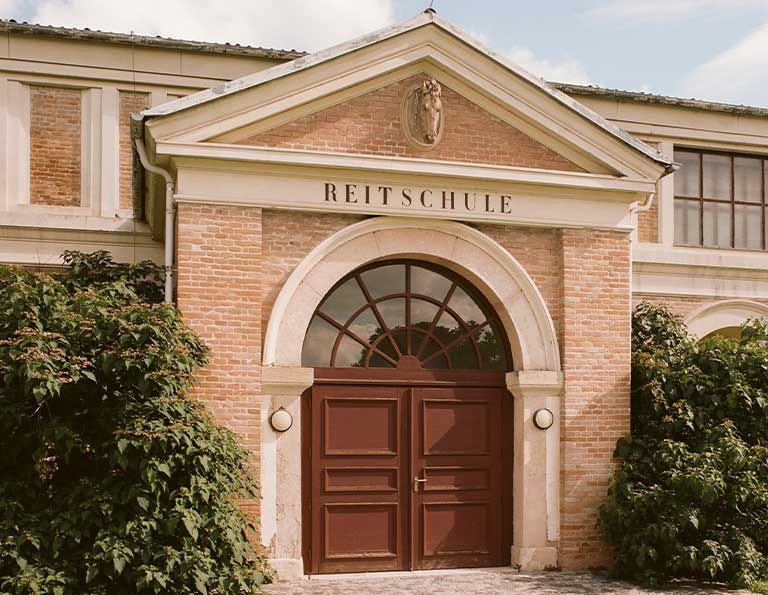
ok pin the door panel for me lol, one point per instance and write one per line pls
(358, 457)
(457, 509)
(367, 445)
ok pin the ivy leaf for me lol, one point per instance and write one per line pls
(190, 526)
(694, 520)
(91, 574)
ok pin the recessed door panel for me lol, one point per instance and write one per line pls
(456, 427)
(355, 529)
(361, 426)
(456, 528)
(361, 479)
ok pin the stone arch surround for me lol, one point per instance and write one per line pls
(535, 382)
(475, 256)
(723, 314)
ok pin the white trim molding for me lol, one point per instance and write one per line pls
(701, 272)
(281, 468)
(536, 470)
(721, 315)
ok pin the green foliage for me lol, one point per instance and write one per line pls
(690, 497)
(113, 479)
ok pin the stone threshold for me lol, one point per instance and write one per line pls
(405, 573)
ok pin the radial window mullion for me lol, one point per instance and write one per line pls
(440, 310)
(377, 314)
(355, 336)
(456, 342)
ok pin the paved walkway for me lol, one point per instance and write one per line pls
(492, 581)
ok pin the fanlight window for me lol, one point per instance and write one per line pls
(404, 314)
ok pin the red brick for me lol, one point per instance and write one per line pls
(370, 124)
(55, 129)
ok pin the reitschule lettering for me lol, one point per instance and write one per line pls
(408, 197)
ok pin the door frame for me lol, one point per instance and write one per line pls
(412, 379)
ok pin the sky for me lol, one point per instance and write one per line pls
(715, 50)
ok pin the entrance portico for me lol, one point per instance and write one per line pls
(291, 180)
(532, 343)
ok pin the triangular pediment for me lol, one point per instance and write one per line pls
(348, 99)
(372, 124)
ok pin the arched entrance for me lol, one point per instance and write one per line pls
(533, 376)
(408, 449)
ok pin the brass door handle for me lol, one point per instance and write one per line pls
(416, 482)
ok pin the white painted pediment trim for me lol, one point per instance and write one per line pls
(399, 165)
(350, 69)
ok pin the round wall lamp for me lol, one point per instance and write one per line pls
(281, 420)
(543, 419)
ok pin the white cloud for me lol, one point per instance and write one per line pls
(658, 10)
(285, 24)
(566, 70)
(737, 75)
(10, 8)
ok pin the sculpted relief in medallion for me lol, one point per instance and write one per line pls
(422, 113)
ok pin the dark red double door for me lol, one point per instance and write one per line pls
(407, 478)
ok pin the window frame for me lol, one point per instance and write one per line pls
(701, 200)
(416, 340)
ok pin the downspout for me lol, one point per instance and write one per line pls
(638, 207)
(169, 215)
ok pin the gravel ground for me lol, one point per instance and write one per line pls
(466, 582)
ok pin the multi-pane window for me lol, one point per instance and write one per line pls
(404, 313)
(720, 200)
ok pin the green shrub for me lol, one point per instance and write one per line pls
(690, 497)
(113, 480)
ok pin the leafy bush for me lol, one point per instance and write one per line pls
(690, 498)
(113, 480)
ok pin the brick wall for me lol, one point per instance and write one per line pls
(648, 223)
(596, 363)
(220, 293)
(288, 237)
(130, 102)
(370, 124)
(538, 252)
(55, 125)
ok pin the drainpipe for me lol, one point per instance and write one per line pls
(643, 207)
(169, 215)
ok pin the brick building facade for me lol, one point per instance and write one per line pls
(417, 251)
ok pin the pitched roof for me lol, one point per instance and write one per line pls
(710, 106)
(11, 26)
(426, 18)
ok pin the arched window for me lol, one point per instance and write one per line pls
(405, 314)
